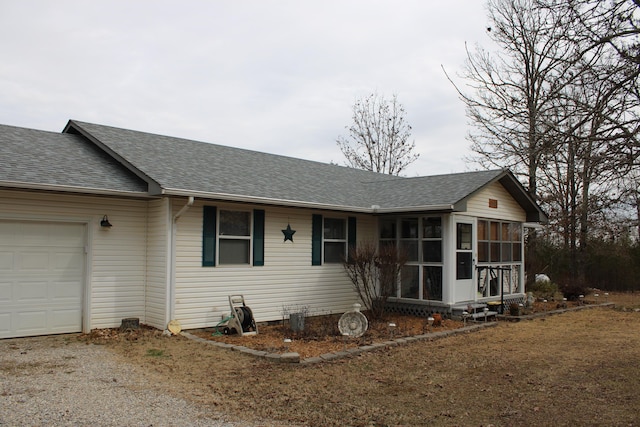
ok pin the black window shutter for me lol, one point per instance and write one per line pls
(209, 236)
(351, 237)
(316, 240)
(258, 237)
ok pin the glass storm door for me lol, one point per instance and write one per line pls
(464, 260)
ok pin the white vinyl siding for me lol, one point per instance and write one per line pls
(508, 209)
(116, 272)
(158, 265)
(286, 279)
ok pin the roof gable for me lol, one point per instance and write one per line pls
(37, 159)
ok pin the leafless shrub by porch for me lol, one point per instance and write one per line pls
(374, 274)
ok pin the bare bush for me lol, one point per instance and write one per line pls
(374, 274)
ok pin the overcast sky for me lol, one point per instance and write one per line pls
(273, 76)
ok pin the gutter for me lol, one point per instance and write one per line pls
(299, 204)
(14, 185)
(171, 294)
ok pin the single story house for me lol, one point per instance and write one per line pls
(98, 224)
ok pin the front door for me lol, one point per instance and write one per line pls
(465, 259)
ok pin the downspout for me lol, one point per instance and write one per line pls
(172, 258)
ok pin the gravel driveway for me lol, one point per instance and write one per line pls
(58, 381)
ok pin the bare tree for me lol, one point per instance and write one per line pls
(558, 104)
(511, 96)
(378, 138)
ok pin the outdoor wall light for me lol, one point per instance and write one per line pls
(105, 222)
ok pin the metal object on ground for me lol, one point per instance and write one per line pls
(242, 320)
(353, 323)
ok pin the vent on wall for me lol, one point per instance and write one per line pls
(493, 203)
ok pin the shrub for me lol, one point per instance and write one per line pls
(543, 289)
(374, 274)
(573, 291)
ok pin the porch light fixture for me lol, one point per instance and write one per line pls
(105, 222)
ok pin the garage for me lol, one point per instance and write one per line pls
(42, 271)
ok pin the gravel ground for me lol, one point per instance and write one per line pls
(58, 381)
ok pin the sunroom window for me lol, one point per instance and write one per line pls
(421, 239)
(499, 257)
(499, 241)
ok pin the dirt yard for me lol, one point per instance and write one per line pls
(578, 368)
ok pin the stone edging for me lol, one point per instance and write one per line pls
(295, 357)
(552, 312)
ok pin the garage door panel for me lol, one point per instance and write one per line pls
(63, 320)
(5, 325)
(6, 292)
(67, 263)
(32, 261)
(33, 233)
(6, 261)
(66, 235)
(29, 292)
(31, 322)
(65, 292)
(42, 279)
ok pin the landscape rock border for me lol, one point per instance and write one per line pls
(552, 312)
(295, 357)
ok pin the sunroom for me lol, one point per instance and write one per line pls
(455, 261)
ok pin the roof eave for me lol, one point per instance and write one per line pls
(263, 200)
(15, 185)
(302, 204)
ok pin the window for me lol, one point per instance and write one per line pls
(499, 257)
(421, 238)
(232, 237)
(432, 283)
(432, 239)
(410, 282)
(464, 257)
(331, 239)
(409, 237)
(499, 241)
(335, 240)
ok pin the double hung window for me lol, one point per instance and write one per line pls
(332, 237)
(232, 237)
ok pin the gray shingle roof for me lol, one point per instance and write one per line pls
(180, 164)
(89, 156)
(35, 159)
(429, 191)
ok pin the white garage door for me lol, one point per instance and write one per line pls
(41, 278)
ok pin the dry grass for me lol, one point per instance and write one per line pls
(578, 368)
